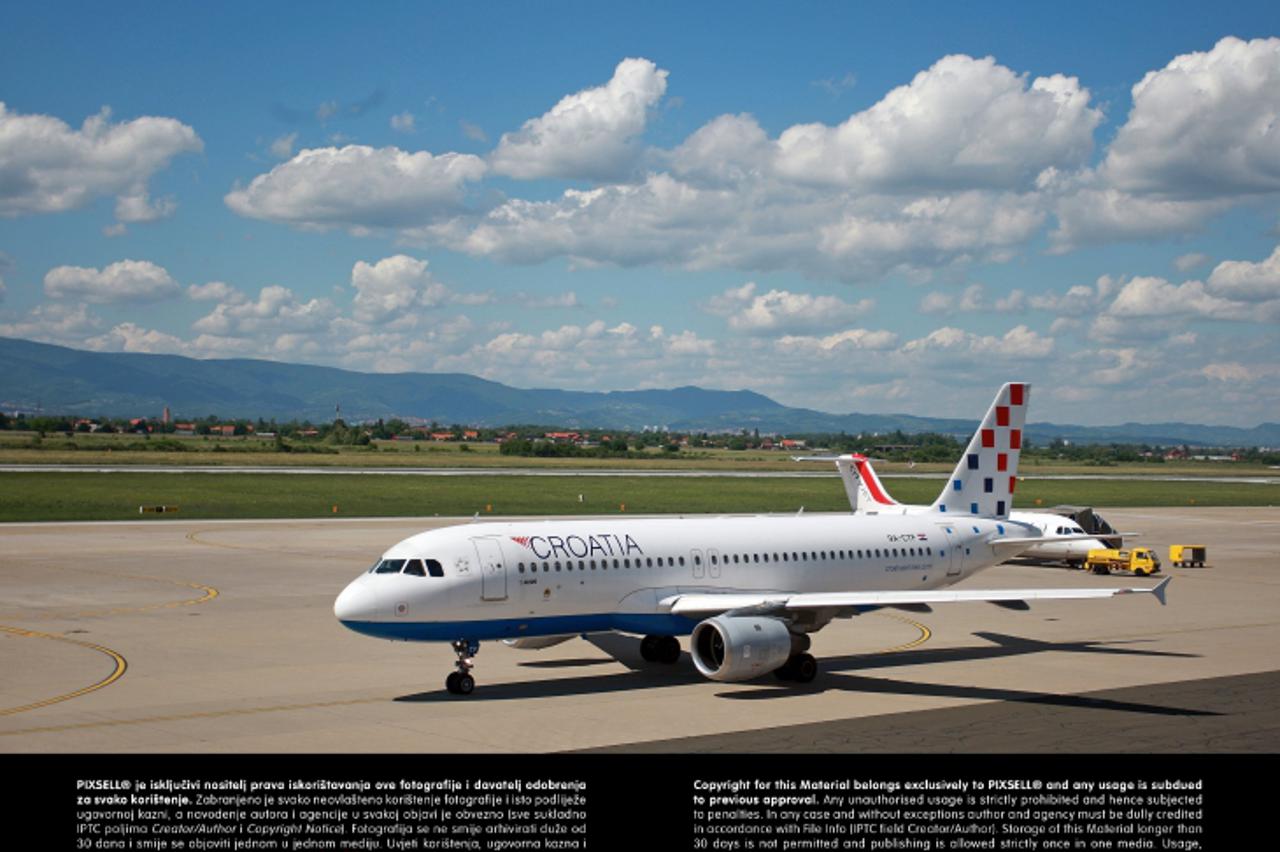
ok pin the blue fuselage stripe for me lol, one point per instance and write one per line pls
(514, 628)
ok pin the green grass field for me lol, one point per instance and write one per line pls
(117, 496)
(124, 450)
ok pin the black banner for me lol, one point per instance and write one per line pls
(605, 802)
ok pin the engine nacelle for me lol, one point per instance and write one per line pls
(731, 648)
(537, 643)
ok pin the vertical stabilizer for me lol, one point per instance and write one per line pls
(983, 482)
(872, 495)
(844, 464)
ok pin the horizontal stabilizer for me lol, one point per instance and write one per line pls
(1009, 547)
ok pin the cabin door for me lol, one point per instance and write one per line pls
(493, 570)
(695, 562)
(713, 557)
(954, 556)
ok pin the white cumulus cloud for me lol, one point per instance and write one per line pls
(123, 281)
(48, 167)
(357, 186)
(1203, 126)
(276, 311)
(784, 311)
(398, 284)
(1247, 281)
(589, 134)
(962, 123)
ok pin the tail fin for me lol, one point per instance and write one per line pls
(866, 493)
(984, 480)
(872, 495)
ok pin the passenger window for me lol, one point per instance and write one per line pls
(557, 565)
(435, 569)
(682, 561)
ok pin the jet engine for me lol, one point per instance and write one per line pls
(731, 648)
(537, 643)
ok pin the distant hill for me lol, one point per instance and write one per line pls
(72, 381)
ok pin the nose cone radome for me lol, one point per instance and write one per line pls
(356, 603)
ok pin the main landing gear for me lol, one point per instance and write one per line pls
(660, 649)
(800, 667)
(461, 682)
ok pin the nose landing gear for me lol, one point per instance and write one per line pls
(461, 682)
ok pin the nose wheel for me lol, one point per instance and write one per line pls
(461, 682)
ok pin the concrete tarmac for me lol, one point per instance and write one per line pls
(207, 637)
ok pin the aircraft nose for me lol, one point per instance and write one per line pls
(356, 603)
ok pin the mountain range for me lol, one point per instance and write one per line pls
(56, 379)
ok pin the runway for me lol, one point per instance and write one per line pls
(209, 637)
(808, 472)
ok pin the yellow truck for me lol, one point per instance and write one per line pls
(1138, 560)
(1187, 555)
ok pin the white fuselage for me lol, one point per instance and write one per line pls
(1057, 551)
(543, 578)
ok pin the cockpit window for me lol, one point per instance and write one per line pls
(414, 568)
(434, 568)
(389, 566)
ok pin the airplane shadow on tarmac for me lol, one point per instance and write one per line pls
(832, 675)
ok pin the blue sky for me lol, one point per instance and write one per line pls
(844, 206)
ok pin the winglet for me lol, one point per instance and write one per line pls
(1159, 591)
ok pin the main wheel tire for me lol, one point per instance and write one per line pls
(466, 684)
(805, 668)
(668, 650)
(649, 649)
(451, 682)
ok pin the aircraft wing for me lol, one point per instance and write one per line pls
(707, 604)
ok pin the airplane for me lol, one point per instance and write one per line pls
(748, 591)
(1065, 540)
